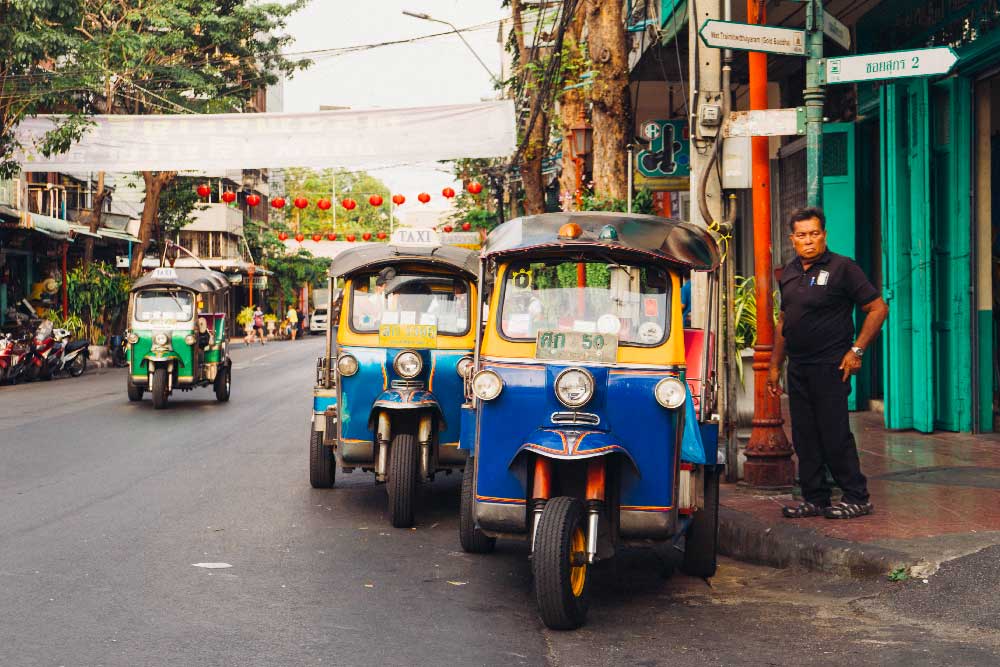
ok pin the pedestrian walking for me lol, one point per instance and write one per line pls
(819, 291)
(293, 320)
(258, 324)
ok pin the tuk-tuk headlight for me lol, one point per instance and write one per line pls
(486, 385)
(463, 366)
(132, 338)
(190, 339)
(574, 387)
(408, 364)
(670, 393)
(160, 339)
(347, 365)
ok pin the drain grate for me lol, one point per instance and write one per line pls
(982, 478)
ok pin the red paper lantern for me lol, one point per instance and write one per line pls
(229, 196)
(448, 193)
(317, 237)
(351, 238)
(375, 200)
(398, 200)
(282, 236)
(381, 236)
(424, 197)
(204, 190)
(253, 200)
(466, 226)
(301, 202)
(278, 202)
(367, 236)
(448, 229)
(331, 236)
(323, 204)
(349, 204)
(475, 187)
(300, 238)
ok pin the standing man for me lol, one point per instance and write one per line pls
(819, 290)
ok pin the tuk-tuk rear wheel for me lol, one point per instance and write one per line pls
(402, 479)
(159, 389)
(474, 541)
(702, 541)
(322, 463)
(562, 576)
(223, 384)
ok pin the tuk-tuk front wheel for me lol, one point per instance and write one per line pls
(159, 389)
(322, 463)
(701, 544)
(562, 576)
(134, 391)
(402, 479)
(223, 384)
(474, 541)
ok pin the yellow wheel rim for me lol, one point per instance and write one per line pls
(577, 573)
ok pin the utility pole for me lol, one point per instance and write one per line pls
(768, 452)
(814, 96)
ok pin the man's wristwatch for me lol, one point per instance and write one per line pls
(859, 351)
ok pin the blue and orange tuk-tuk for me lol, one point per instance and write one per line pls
(390, 386)
(580, 420)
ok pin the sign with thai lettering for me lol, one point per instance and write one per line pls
(749, 37)
(891, 65)
(407, 335)
(836, 30)
(766, 123)
(576, 346)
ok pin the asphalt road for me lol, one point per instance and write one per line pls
(106, 507)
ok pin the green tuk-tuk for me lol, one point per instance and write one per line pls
(177, 334)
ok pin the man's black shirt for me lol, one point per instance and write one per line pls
(819, 304)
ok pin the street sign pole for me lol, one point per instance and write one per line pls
(814, 96)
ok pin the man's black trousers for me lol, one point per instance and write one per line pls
(822, 435)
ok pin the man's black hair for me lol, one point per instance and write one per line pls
(807, 213)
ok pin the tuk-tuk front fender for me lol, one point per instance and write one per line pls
(571, 444)
(162, 357)
(406, 399)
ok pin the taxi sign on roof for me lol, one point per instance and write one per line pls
(419, 237)
(164, 273)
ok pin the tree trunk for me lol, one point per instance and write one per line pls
(572, 105)
(94, 219)
(536, 120)
(611, 113)
(155, 182)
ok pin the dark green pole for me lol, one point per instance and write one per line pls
(814, 96)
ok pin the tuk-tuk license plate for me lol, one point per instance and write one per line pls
(576, 346)
(407, 335)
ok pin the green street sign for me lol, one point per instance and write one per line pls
(750, 37)
(891, 65)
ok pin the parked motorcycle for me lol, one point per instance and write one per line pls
(46, 353)
(75, 353)
(14, 352)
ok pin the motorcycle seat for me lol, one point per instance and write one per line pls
(76, 345)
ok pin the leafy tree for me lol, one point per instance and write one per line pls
(34, 35)
(359, 186)
(174, 56)
(177, 202)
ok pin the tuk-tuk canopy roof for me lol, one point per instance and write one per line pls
(679, 243)
(376, 255)
(198, 280)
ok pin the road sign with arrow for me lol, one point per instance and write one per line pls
(749, 37)
(891, 65)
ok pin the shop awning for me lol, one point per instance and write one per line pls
(51, 227)
(83, 230)
(117, 235)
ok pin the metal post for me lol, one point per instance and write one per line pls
(769, 455)
(814, 96)
(629, 173)
(65, 292)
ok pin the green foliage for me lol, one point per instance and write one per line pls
(293, 271)
(177, 202)
(98, 295)
(245, 316)
(899, 574)
(642, 202)
(72, 323)
(480, 211)
(745, 308)
(358, 186)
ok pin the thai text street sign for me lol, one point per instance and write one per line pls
(748, 37)
(766, 123)
(891, 65)
(836, 30)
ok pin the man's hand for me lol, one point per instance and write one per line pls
(849, 364)
(774, 381)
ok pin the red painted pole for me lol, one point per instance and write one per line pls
(65, 291)
(769, 455)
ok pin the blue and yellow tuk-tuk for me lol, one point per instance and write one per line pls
(177, 334)
(390, 386)
(580, 419)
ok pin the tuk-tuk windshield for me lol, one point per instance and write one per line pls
(410, 298)
(157, 305)
(632, 302)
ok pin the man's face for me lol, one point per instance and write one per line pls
(809, 239)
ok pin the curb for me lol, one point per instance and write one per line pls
(745, 537)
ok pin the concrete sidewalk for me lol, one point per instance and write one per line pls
(936, 497)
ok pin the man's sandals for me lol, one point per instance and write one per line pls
(839, 510)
